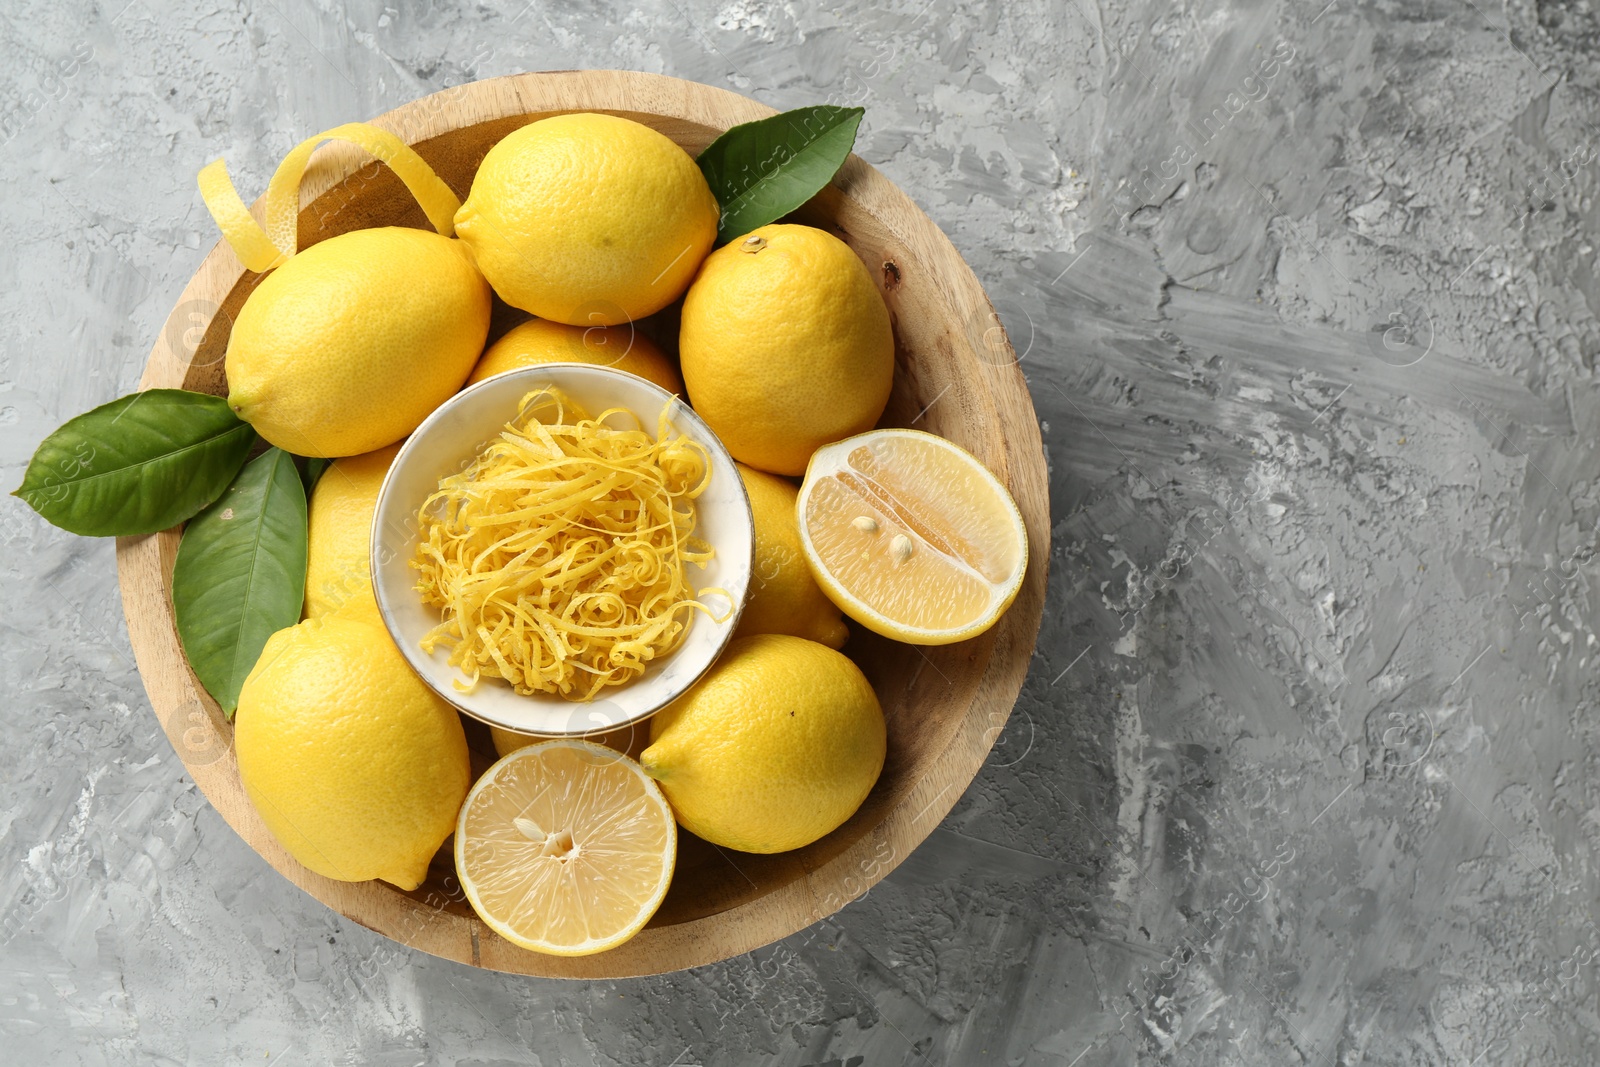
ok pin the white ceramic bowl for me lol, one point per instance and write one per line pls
(447, 441)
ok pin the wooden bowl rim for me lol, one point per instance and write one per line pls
(183, 708)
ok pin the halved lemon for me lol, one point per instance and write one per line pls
(565, 847)
(911, 536)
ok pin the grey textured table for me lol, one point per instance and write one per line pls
(1303, 771)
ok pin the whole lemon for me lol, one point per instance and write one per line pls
(784, 597)
(786, 346)
(353, 342)
(540, 341)
(338, 549)
(776, 746)
(629, 740)
(588, 219)
(356, 767)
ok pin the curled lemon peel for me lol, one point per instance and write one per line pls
(557, 558)
(261, 248)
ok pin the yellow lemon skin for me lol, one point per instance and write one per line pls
(786, 346)
(784, 597)
(350, 344)
(630, 740)
(539, 341)
(338, 550)
(356, 767)
(776, 746)
(588, 219)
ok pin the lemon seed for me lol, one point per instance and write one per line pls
(865, 523)
(560, 845)
(754, 243)
(901, 547)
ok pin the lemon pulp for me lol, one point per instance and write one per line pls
(565, 847)
(911, 536)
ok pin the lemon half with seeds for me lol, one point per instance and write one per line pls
(565, 847)
(911, 536)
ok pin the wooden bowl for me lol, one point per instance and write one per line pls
(956, 376)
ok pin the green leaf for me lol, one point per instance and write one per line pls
(139, 464)
(763, 170)
(312, 470)
(241, 573)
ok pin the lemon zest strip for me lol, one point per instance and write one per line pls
(261, 248)
(239, 228)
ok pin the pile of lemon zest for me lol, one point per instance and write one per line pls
(557, 558)
(263, 248)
